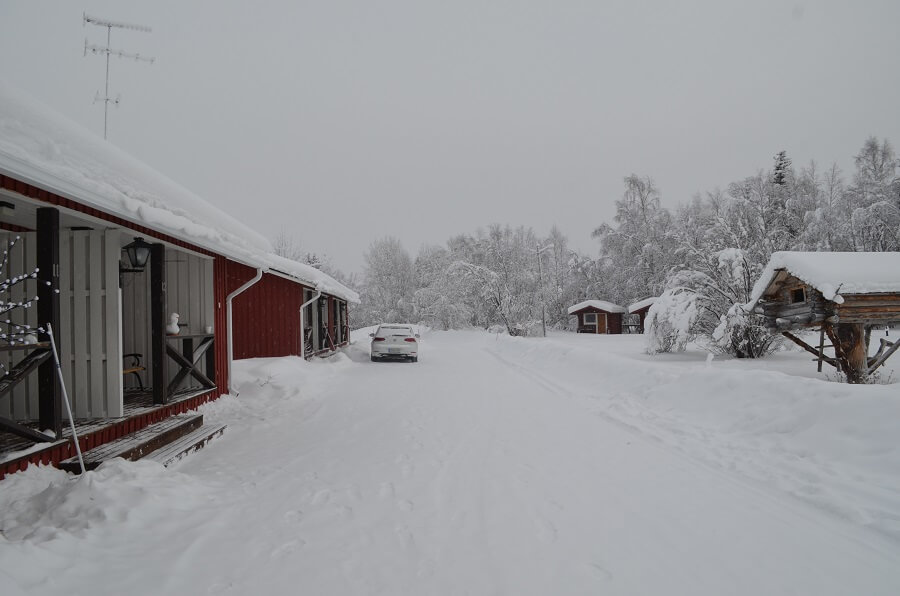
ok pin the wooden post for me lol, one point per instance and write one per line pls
(160, 369)
(49, 394)
(821, 347)
(211, 361)
(852, 339)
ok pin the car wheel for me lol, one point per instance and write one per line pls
(414, 359)
(374, 359)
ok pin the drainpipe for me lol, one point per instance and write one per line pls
(228, 299)
(302, 328)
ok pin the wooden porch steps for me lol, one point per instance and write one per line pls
(145, 442)
(187, 444)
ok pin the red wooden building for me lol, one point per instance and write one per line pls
(598, 316)
(71, 212)
(638, 314)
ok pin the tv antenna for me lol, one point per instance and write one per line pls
(109, 51)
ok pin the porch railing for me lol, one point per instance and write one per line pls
(39, 353)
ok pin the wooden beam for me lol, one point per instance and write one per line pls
(49, 394)
(807, 347)
(159, 360)
(887, 354)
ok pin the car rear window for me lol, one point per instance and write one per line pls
(394, 331)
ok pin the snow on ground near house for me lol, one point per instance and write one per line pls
(568, 465)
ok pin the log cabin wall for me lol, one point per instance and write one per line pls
(797, 304)
(875, 309)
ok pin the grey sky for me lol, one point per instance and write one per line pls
(345, 121)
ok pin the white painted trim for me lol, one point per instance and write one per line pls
(303, 306)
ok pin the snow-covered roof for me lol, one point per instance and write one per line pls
(311, 276)
(833, 272)
(45, 149)
(599, 304)
(641, 304)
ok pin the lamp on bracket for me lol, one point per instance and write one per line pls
(138, 253)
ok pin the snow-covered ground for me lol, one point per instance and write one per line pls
(573, 464)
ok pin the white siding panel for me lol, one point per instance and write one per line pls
(96, 381)
(67, 327)
(78, 393)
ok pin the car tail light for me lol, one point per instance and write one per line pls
(412, 339)
(378, 339)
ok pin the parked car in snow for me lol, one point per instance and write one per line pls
(395, 341)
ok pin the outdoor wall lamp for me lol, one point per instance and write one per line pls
(138, 253)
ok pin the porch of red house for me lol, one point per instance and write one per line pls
(17, 453)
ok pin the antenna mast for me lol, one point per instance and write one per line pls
(94, 49)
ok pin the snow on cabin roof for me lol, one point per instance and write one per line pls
(599, 304)
(311, 276)
(641, 304)
(833, 272)
(43, 148)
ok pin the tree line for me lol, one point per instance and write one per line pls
(701, 258)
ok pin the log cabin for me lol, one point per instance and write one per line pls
(844, 295)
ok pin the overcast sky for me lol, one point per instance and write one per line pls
(345, 121)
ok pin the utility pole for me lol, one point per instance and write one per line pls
(538, 252)
(94, 49)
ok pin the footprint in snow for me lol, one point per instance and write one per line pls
(386, 490)
(599, 571)
(321, 497)
(287, 548)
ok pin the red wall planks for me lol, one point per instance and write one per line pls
(266, 316)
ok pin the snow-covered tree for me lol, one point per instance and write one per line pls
(388, 284)
(638, 249)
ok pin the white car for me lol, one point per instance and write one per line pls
(395, 341)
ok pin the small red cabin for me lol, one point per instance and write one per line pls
(598, 316)
(638, 314)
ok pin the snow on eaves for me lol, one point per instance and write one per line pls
(47, 150)
(835, 273)
(600, 304)
(641, 304)
(311, 276)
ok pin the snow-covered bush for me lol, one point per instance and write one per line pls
(706, 302)
(670, 321)
(743, 335)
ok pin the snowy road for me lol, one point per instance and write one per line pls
(463, 474)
